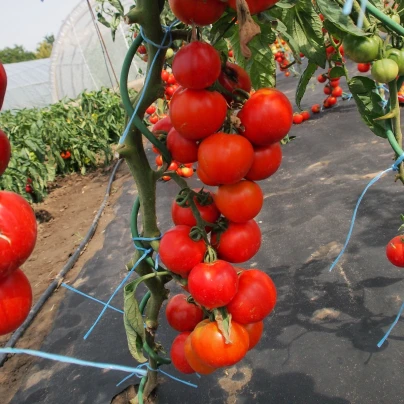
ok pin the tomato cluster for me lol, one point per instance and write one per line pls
(18, 232)
(331, 88)
(234, 147)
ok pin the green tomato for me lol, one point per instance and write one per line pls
(394, 17)
(169, 53)
(384, 70)
(398, 56)
(362, 49)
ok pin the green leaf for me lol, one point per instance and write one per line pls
(102, 20)
(281, 28)
(333, 13)
(118, 5)
(133, 322)
(337, 71)
(221, 46)
(369, 103)
(223, 27)
(286, 3)
(303, 81)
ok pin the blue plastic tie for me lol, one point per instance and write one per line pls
(146, 253)
(156, 263)
(394, 167)
(381, 342)
(90, 297)
(67, 359)
(347, 7)
(160, 47)
(362, 13)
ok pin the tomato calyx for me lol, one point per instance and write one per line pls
(223, 320)
(210, 256)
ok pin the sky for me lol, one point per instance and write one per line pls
(26, 22)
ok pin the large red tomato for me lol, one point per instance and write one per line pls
(224, 158)
(254, 332)
(182, 315)
(15, 301)
(213, 284)
(196, 114)
(204, 178)
(210, 345)
(200, 12)
(178, 252)
(182, 150)
(5, 152)
(255, 6)
(184, 215)
(239, 202)
(18, 231)
(266, 117)
(3, 84)
(395, 251)
(177, 354)
(163, 125)
(196, 65)
(195, 361)
(239, 243)
(255, 299)
(232, 77)
(267, 160)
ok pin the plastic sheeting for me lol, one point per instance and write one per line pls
(28, 84)
(77, 63)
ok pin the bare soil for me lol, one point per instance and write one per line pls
(63, 220)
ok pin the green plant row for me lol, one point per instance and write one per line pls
(69, 136)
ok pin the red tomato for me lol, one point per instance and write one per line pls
(213, 284)
(173, 166)
(327, 89)
(334, 83)
(239, 243)
(232, 77)
(169, 91)
(3, 84)
(200, 58)
(199, 12)
(142, 50)
(182, 315)
(255, 298)
(267, 160)
(159, 160)
(239, 202)
(28, 189)
(164, 75)
(166, 178)
(337, 92)
(196, 114)
(178, 252)
(316, 108)
(195, 361)
(18, 231)
(210, 345)
(171, 79)
(305, 115)
(184, 215)
(187, 172)
(264, 106)
(297, 119)
(204, 178)
(230, 53)
(395, 251)
(332, 100)
(363, 67)
(153, 119)
(287, 74)
(224, 158)
(254, 333)
(177, 354)
(5, 150)
(15, 301)
(321, 78)
(182, 149)
(255, 6)
(155, 149)
(151, 110)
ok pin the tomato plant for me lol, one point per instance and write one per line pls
(362, 49)
(384, 70)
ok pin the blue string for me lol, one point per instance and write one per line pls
(156, 263)
(362, 13)
(394, 167)
(160, 47)
(90, 297)
(146, 253)
(67, 359)
(381, 342)
(347, 7)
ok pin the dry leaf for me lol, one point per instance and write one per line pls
(248, 28)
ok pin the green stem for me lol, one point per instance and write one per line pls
(358, 11)
(141, 389)
(397, 28)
